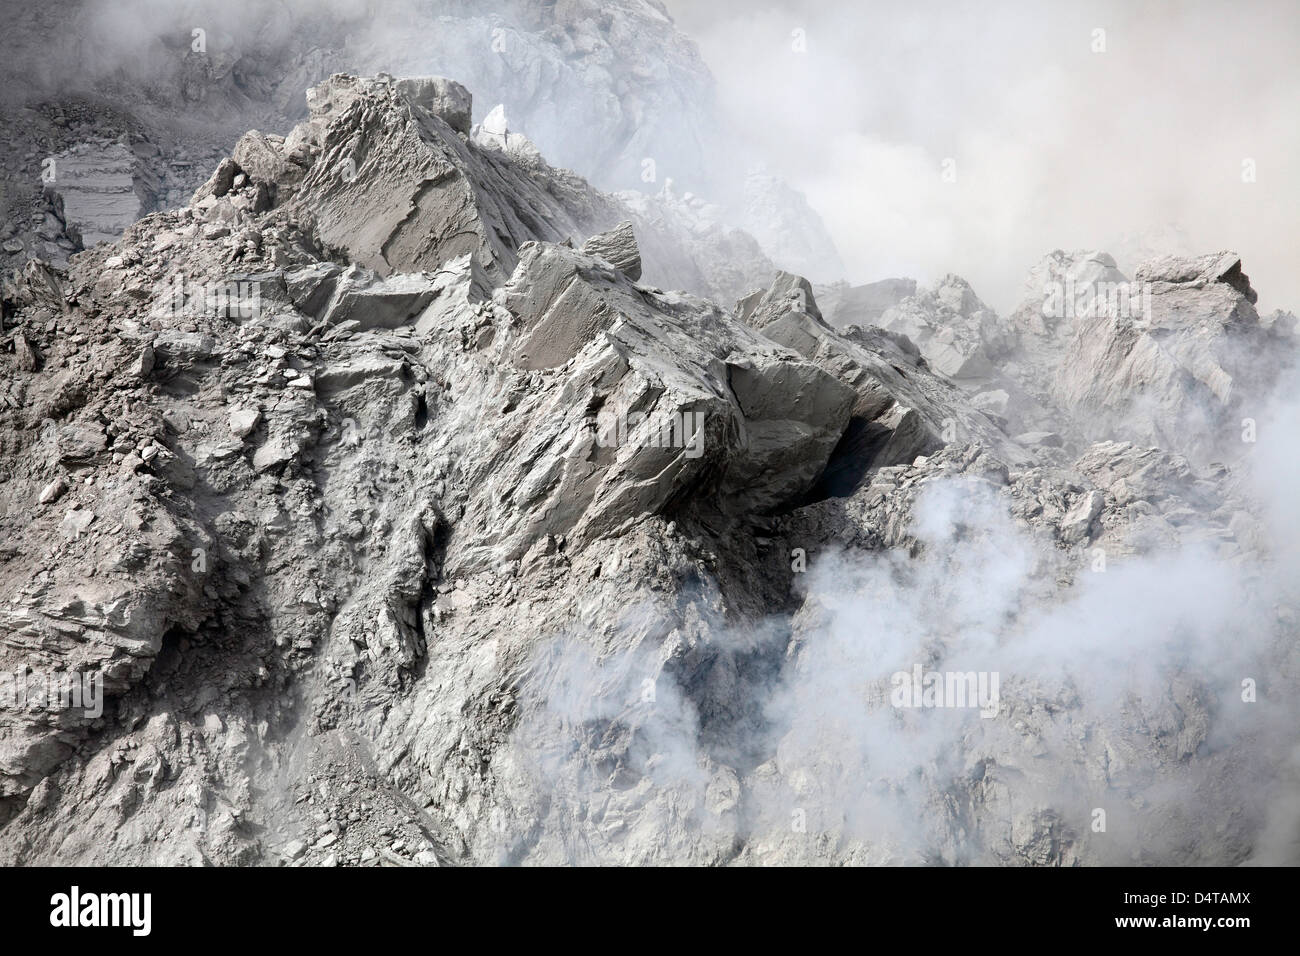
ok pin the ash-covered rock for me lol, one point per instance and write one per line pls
(399, 522)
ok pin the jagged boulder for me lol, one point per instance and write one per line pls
(1198, 272)
(617, 247)
(951, 326)
(395, 187)
(902, 409)
(1179, 362)
(394, 183)
(639, 401)
(863, 304)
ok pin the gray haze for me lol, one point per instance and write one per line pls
(1136, 150)
(1055, 146)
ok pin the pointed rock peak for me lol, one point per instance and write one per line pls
(494, 133)
(1198, 271)
(788, 293)
(617, 247)
(956, 294)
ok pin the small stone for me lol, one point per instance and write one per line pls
(76, 522)
(28, 355)
(143, 363)
(53, 491)
(243, 421)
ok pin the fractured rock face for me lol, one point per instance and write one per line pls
(902, 409)
(677, 402)
(363, 300)
(617, 247)
(686, 243)
(950, 325)
(457, 516)
(1197, 272)
(1173, 361)
(400, 192)
(444, 98)
(96, 192)
(864, 304)
(1171, 357)
(394, 182)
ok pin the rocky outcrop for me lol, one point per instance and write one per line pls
(617, 247)
(401, 523)
(902, 409)
(1176, 357)
(863, 304)
(613, 91)
(389, 175)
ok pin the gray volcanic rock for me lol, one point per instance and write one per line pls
(398, 188)
(951, 327)
(396, 530)
(902, 409)
(440, 96)
(613, 91)
(1198, 272)
(685, 238)
(331, 374)
(97, 192)
(617, 247)
(1177, 357)
(788, 229)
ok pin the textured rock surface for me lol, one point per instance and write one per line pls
(1176, 356)
(398, 188)
(863, 304)
(611, 90)
(617, 247)
(95, 192)
(405, 526)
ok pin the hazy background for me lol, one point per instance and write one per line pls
(1134, 150)
(1055, 146)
